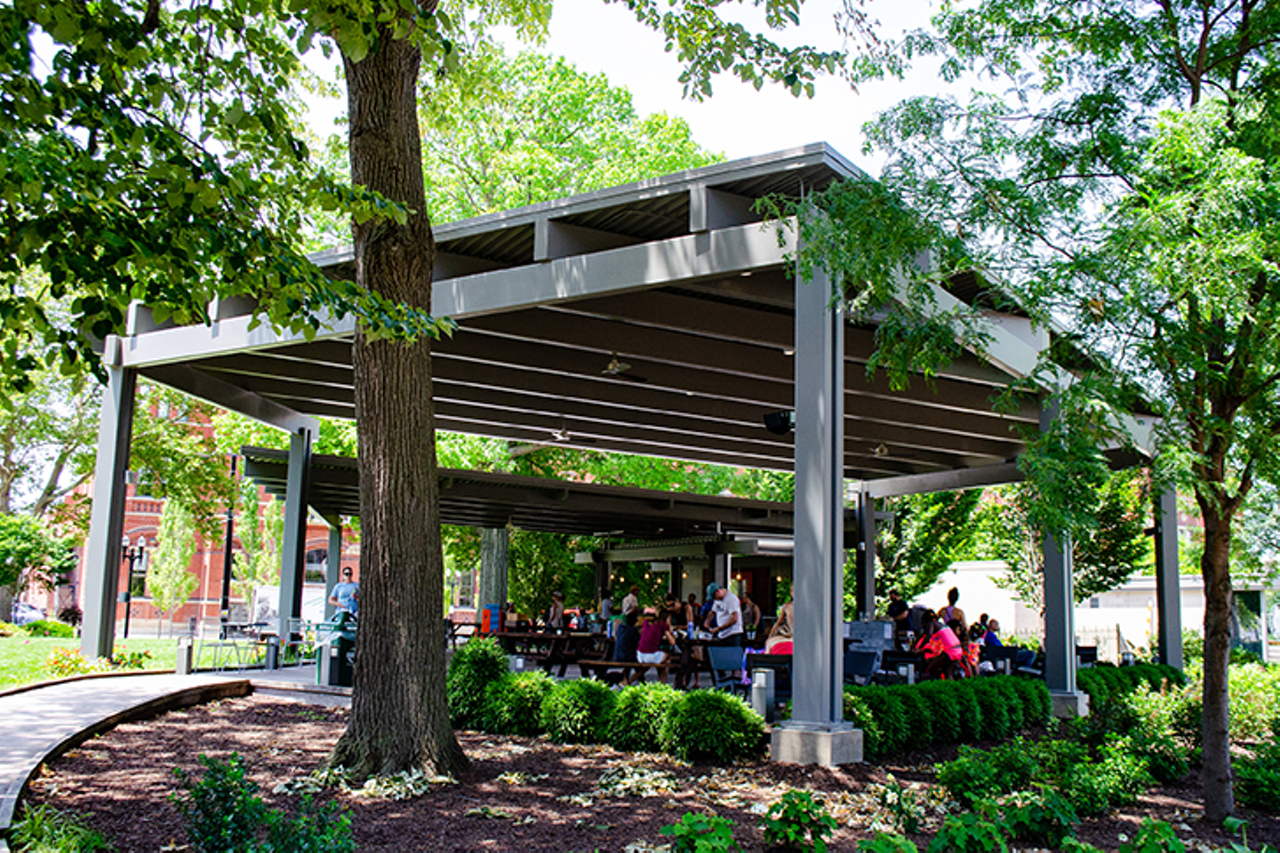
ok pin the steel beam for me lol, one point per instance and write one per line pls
(106, 523)
(293, 550)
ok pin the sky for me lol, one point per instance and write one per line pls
(737, 120)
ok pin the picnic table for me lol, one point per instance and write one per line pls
(549, 648)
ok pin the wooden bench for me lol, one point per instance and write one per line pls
(454, 631)
(602, 668)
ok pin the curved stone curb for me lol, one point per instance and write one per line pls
(88, 716)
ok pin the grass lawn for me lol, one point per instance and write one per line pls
(22, 658)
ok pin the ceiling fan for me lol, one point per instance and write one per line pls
(619, 370)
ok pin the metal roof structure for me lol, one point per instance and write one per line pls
(654, 318)
(487, 499)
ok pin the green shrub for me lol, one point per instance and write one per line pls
(1114, 779)
(1254, 691)
(965, 698)
(1154, 836)
(223, 812)
(888, 712)
(977, 773)
(701, 833)
(710, 724)
(858, 712)
(944, 712)
(475, 666)
(49, 628)
(1036, 701)
(967, 833)
(512, 705)
(996, 708)
(915, 712)
(1043, 818)
(1258, 779)
(999, 690)
(638, 717)
(798, 822)
(885, 843)
(578, 711)
(44, 829)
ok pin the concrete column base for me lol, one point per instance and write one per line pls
(1068, 706)
(827, 747)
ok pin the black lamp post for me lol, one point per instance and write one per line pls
(224, 606)
(132, 553)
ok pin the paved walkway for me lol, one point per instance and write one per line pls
(43, 721)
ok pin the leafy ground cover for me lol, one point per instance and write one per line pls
(525, 793)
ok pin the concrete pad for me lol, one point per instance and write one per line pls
(1068, 706)
(826, 747)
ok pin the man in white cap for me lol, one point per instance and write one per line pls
(727, 611)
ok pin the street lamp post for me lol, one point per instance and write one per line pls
(132, 553)
(224, 606)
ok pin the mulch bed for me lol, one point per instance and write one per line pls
(520, 793)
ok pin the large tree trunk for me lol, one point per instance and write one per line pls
(399, 711)
(1215, 566)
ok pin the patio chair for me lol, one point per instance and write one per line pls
(726, 668)
(859, 666)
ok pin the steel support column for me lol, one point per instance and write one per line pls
(819, 509)
(293, 550)
(106, 524)
(866, 558)
(1059, 617)
(1168, 594)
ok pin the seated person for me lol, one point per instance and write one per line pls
(780, 640)
(1025, 657)
(627, 639)
(649, 646)
(943, 652)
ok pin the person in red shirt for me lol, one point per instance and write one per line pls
(943, 654)
(654, 630)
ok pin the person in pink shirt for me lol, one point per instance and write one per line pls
(654, 630)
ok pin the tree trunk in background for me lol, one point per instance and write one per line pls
(1215, 566)
(399, 711)
(495, 544)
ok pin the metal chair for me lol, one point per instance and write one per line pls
(860, 666)
(223, 647)
(726, 668)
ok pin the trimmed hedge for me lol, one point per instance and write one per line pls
(638, 717)
(939, 712)
(474, 666)
(513, 704)
(1106, 681)
(578, 711)
(712, 725)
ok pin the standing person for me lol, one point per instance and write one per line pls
(727, 612)
(632, 602)
(900, 613)
(346, 594)
(750, 613)
(606, 606)
(691, 611)
(951, 612)
(555, 616)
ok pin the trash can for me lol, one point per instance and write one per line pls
(184, 664)
(491, 619)
(273, 653)
(337, 655)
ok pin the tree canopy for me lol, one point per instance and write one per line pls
(1118, 179)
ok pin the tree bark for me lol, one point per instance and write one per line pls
(495, 545)
(1215, 567)
(399, 711)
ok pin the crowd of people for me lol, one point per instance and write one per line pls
(952, 647)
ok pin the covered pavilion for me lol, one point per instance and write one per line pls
(661, 318)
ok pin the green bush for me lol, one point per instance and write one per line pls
(1043, 818)
(999, 690)
(889, 714)
(885, 843)
(223, 812)
(474, 666)
(701, 833)
(944, 712)
(1154, 836)
(578, 711)
(977, 774)
(513, 704)
(915, 712)
(49, 628)
(1258, 779)
(798, 822)
(972, 728)
(858, 712)
(44, 829)
(997, 708)
(638, 717)
(1114, 778)
(968, 833)
(1036, 701)
(710, 724)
